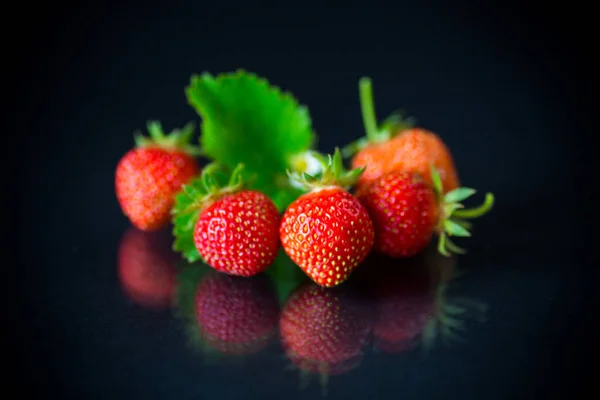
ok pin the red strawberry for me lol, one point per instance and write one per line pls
(403, 210)
(237, 230)
(236, 315)
(395, 145)
(322, 330)
(326, 231)
(147, 267)
(149, 176)
(406, 212)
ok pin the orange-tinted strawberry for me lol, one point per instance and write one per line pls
(147, 267)
(327, 232)
(323, 331)
(396, 145)
(411, 150)
(235, 230)
(236, 315)
(149, 176)
(406, 212)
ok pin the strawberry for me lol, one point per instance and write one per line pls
(236, 316)
(149, 176)
(322, 331)
(406, 212)
(236, 229)
(146, 267)
(326, 231)
(396, 145)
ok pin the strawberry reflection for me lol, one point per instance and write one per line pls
(227, 314)
(324, 331)
(147, 267)
(414, 303)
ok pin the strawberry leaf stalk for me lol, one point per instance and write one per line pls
(453, 216)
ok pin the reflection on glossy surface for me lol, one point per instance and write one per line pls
(324, 331)
(404, 303)
(147, 267)
(229, 314)
(415, 303)
(387, 306)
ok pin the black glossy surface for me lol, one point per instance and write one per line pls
(495, 85)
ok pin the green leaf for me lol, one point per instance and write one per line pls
(454, 229)
(459, 194)
(247, 120)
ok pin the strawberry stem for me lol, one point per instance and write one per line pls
(367, 106)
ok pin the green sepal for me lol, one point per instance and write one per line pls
(454, 229)
(452, 214)
(458, 195)
(246, 119)
(375, 133)
(333, 174)
(178, 139)
(214, 182)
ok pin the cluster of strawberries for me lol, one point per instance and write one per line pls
(402, 189)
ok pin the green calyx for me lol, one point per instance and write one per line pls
(332, 173)
(178, 139)
(215, 182)
(392, 125)
(453, 218)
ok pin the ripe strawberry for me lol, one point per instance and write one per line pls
(322, 330)
(235, 315)
(403, 209)
(397, 146)
(236, 230)
(326, 231)
(149, 176)
(146, 265)
(406, 212)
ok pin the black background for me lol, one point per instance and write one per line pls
(504, 85)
